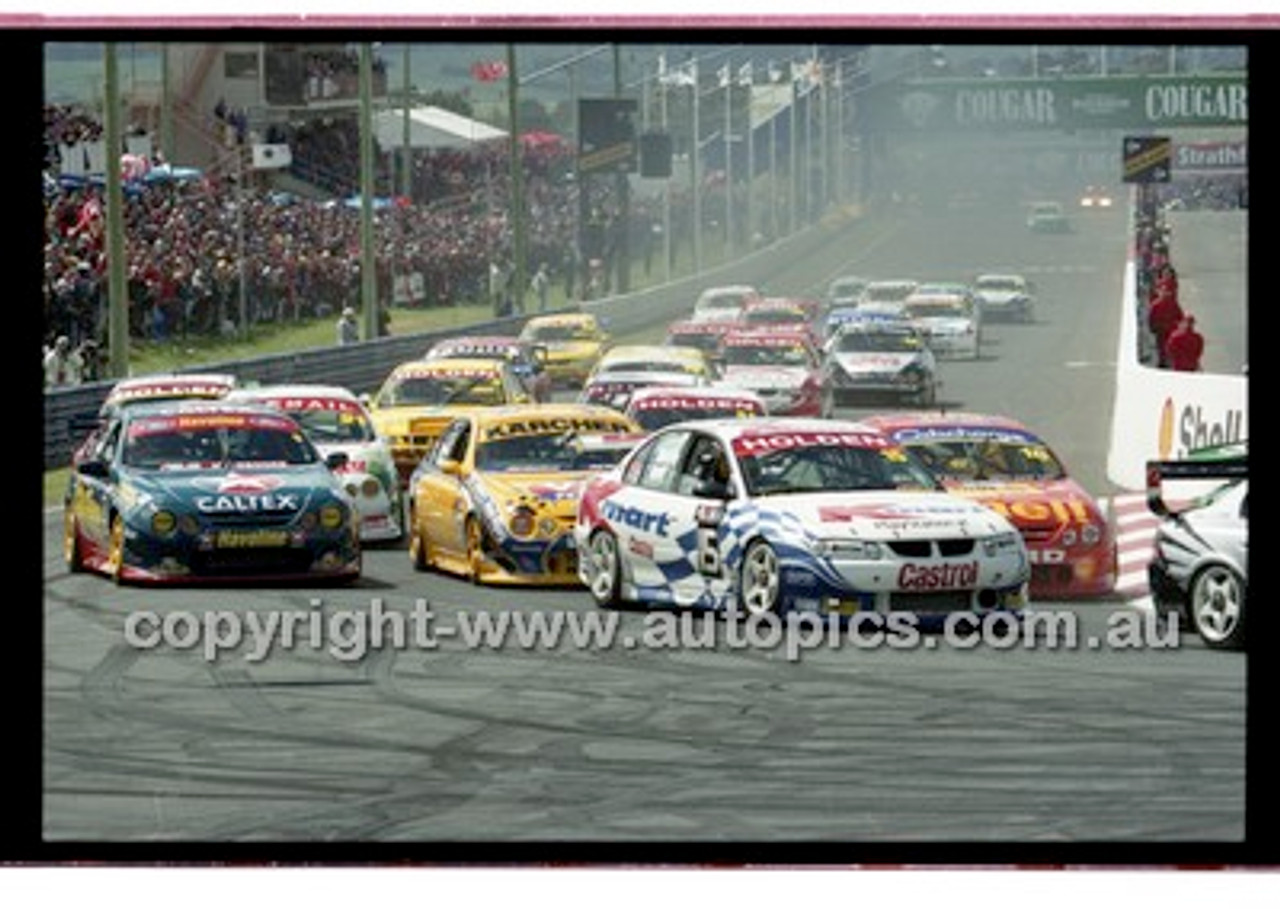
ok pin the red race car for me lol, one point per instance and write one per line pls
(1002, 464)
(782, 365)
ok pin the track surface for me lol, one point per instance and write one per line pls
(711, 743)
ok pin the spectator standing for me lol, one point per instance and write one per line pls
(348, 330)
(540, 283)
(1163, 318)
(1185, 346)
(62, 365)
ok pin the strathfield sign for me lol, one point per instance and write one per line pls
(1096, 102)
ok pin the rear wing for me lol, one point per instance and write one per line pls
(1227, 468)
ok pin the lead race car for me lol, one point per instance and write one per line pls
(775, 515)
(184, 491)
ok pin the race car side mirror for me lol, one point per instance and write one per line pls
(95, 468)
(450, 466)
(336, 460)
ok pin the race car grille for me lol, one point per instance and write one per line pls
(1037, 534)
(256, 519)
(251, 561)
(1051, 575)
(923, 549)
(939, 602)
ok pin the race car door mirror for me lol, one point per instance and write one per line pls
(336, 460)
(713, 489)
(94, 467)
(450, 466)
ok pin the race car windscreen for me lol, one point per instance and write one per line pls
(437, 391)
(877, 342)
(539, 453)
(985, 459)
(1000, 285)
(655, 418)
(704, 341)
(832, 468)
(552, 333)
(937, 310)
(215, 448)
(334, 426)
(765, 355)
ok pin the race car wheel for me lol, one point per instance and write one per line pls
(417, 543)
(1217, 607)
(71, 544)
(606, 579)
(760, 580)
(115, 550)
(827, 408)
(475, 548)
(928, 396)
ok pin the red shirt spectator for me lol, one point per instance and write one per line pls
(1185, 345)
(1163, 319)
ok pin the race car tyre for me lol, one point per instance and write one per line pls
(1216, 604)
(71, 544)
(475, 548)
(827, 409)
(417, 543)
(759, 580)
(929, 396)
(115, 550)
(606, 582)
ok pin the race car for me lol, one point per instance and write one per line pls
(875, 356)
(495, 501)
(887, 295)
(336, 421)
(774, 515)
(656, 406)
(1005, 296)
(949, 322)
(182, 491)
(527, 360)
(1048, 218)
(1199, 568)
(573, 341)
(1095, 197)
(615, 388)
(1000, 463)
(795, 312)
(704, 336)
(782, 366)
(724, 303)
(419, 398)
(845, 290)
(157, 387)
(658, 358)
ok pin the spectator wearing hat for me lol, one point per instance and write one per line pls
(1185, 346)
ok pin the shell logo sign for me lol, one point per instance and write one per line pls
(1165, 442)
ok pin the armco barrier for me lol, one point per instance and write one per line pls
(363, 366)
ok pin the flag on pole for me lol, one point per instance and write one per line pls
(746, 76)
(686, 74)
(271, 156)
(488, 70)
(722, 76)
(775, 71)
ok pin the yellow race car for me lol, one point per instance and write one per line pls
(664, 358)
(496, 499)
(573, 341)
(420, 397)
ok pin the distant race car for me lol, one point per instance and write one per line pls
(157, 387)
(1004, 297)
(704, 336)
(496, 499)
(794, 312)
(1048, 218)
(659, 358)
(528, 360)
(1199, 569)
(779, 515)
(180, 491)
(784, 367)
(1096, 197)
(845, 290)
(1000, 463)
(614, 388)
(336, 421)
(419, 398)
(881, 356)
(574, 342)
(950, 323)
(886, 295)
(723, 303)
(656, 406)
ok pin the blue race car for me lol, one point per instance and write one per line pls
(185, 490)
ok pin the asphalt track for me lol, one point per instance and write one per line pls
(705, 743)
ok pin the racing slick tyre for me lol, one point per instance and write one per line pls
(71, 544)
(759, 580)
(929, 396)
(606, 582)
(417, 544)
(115, 550)
(475, 548)
(827, 409)
(1216, 604)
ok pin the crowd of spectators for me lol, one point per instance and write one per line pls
(193, 262)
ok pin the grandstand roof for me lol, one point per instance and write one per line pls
(431, 127)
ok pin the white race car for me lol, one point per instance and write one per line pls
(881, 356)
(336, 421)
(723, 304)
(1005, 296)
(775, 515)
(949, 321)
